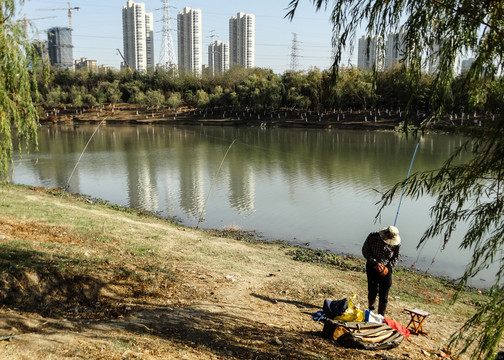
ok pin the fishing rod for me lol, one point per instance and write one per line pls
(82, 153)
(213, 182)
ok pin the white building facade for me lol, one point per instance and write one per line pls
(138, 36)
(242, 40)
(370, 53)
(190, 52)
(218, 57)
(395, 49)
(433, 60)
(466, 64)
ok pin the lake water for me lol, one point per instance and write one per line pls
(305, 186)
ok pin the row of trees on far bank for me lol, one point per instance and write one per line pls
(260, 89)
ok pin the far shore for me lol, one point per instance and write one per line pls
(351, 119)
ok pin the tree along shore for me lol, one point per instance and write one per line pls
(358, 119)
(261, 89)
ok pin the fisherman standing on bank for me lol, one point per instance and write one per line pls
(381, 250)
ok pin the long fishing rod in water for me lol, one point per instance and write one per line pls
(213, 182)
(82, 153)
(404, 187)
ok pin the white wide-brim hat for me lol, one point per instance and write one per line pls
(390, 235)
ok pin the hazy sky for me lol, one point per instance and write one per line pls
(97, 28)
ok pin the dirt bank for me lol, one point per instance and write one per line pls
(352, 119)
(82, 280)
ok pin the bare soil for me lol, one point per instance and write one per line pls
(360, 119)
(111, 293)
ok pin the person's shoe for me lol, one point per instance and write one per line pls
(381, 309)
(371, 306)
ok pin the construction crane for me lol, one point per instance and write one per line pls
(69, 9)
(125, 62)
(25, 21)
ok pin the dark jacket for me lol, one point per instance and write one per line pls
(375, 250)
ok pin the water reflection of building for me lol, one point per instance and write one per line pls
(241, 187)
(142, 186)
(141, 168)
(192, 191)
(59, 172)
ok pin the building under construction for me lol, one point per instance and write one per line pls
(40, 47)
(60, 47)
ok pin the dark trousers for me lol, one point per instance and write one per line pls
(378, 285)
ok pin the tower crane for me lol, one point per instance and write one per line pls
(125, 62)
(69, 9)
(25, 21)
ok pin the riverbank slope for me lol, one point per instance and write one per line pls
(82, 279)
(350, 119)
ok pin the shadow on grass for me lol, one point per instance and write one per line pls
(34, 281)
(41, 283)
(298, 304)
(229, 335)
(65, 287)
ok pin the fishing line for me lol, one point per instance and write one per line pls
(262, 148)
(407, 176)
(400, 200)
(213, 182)
(433, 258)
(82, 153)
(397, 214)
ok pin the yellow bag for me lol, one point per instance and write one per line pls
(351, 313)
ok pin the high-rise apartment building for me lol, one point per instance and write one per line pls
(242, 40)
(218, 57)
(466, 64)
(189, 41)
(59, 47)
(394, 49)
(433, 59)
(370, 53)
(138, 36)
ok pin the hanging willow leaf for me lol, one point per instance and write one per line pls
(470, 192)
(17, 85)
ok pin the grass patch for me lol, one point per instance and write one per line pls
(141, 250)
(235, 233)
(18, 255)
(434, 294)
(342, 262)
(168, 275)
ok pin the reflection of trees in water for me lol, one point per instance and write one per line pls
(184, 160)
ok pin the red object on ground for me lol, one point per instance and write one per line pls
(395, 325)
